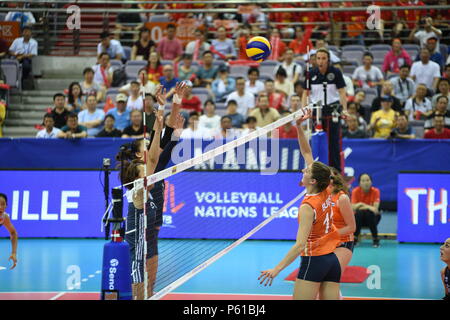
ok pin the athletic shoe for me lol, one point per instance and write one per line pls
(376, 243)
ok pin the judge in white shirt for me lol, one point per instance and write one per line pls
(49, 132)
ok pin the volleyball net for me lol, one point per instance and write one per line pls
(206, 214)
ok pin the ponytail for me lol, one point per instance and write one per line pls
(127, 158)
(338, 183)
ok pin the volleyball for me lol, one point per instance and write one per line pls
(258, 49)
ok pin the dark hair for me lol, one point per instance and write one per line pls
(103, 54)
(326, 51)
(239, 78)
(405, 66)
(91, 95)
(70, 96)
(88, 69)
(321, 173)
(338, 182)
(109, 116)
(362, 174)
(27, 28)
(269, 80)
(135, 82)
(193, 114)
(72, 115)
(2, 195)
(402, 114)
(187, 56)
(251, 118)
(58, 95)
(253, 69)
(442, 80)
(171, 26)
(368, 54)
(225, 117)
(104, 35)
(206, 52)
(281, 72)
(142, 30)
(298, 83)
(48, 115)
(127, 158)
(447, 66)
(441, 97)
(210, 101)
(231, 102)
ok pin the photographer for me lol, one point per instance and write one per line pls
(426, 30)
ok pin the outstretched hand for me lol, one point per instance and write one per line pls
(160, 95)
(179, 92)
(307, 113)
(267, 276)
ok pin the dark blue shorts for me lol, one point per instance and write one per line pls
(320, 268)
(349, 245)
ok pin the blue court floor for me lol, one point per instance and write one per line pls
(59, 265)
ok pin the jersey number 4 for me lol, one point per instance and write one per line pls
(328, 221)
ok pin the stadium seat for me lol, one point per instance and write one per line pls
(418, 128)
(371, 94)
(221, 106)
(337, 51)
(444, 50)
(269, 63)
(378, 55)
(13, 73)
(266, 70)
(353, 47)
(239, 70)
(218, 63)
(202, 93)
(266, 76)
(116, 64)
(127, 51)
(132, 67)
(382, 47)
(112, 93)
(412, 49)
(159, 18)
(353, 55)
(2, 16)
(164, 62)
(349, 69)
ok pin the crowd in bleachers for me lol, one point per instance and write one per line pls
(395, 88)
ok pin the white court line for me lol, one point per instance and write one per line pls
(2, 268)
(57, 296)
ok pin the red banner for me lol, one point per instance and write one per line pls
(9, 30)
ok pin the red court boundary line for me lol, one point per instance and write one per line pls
(171, 296)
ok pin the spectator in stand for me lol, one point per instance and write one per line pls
(253, 84)
(402, 130)
(168, 81)
(439, 131)
(349, 88)
(425, 71)
(197, 47)
(25, 18)
(442, 18)
(278, 46)
(439, 110)
(103, 72)
(447, 69)
(186, 71)
(418, 107)
(276, 100)
(293, 70)
(189, 102)
(263, 113)
(24, 49)
(109, 131)
(149, 111)
(207, 72)
(142, 48)
(126, 23)
(209, 121)
(154, 67)
(428, 31)
(134, 101)
(237, 120)
(321, 43)
(282, 85)
(120, 113)
(193, 131)
(395, 58)
(59, 112)
(245, 100)
(443, 90)
(250, 126)
(356, 24)
(298, 89)
(49, 130)
(294, 103)
(404, 87)
(223, 85)
(366, 204)
(144, 84)
(288, 131)
(73, 130)
(383, 121)
(367, 75)
(241, 42)
(170, 47)
(75, 98)
(136, 129)
(387, 89)
(408, 19)
(353, 109)
(113, 48)
(222, 46)
(89, 86)
(91, 118)
(226, 130)
(351, 130)
(436, 56)
(302, 41)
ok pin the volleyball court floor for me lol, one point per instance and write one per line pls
(49, 268)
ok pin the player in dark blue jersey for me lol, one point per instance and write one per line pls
(445, 272)
(6, 222)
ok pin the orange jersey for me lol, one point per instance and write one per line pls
(338, 219)
(321, 204)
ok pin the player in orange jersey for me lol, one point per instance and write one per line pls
(317, 237)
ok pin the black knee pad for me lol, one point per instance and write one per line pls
(152, 242)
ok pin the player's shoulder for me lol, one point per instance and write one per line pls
(443, 270)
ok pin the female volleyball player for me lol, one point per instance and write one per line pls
(445, 272)
(154, 222)
(317, 237)
(6, 221)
